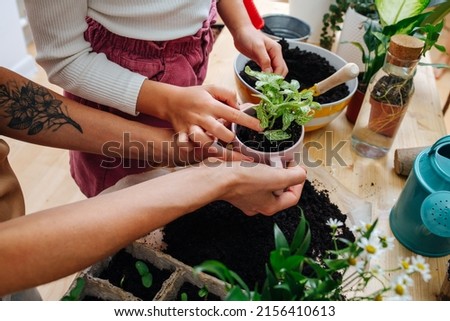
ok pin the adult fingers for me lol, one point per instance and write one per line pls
(239, 117)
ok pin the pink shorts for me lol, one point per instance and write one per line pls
(181, 62)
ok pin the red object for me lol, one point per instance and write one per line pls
(253, 13)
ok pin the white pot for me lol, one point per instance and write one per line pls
(352, 31)
(311, 12)
(276, 158)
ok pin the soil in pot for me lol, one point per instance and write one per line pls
(389, 100)
(259, 142)
(308, 68)
(122, 273)
(220, 231)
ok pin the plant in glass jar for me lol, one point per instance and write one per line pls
(400, 17)
(387, 97)
(412, 18)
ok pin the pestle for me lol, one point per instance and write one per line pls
(346, 73)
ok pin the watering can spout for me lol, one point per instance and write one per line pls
(441, 151)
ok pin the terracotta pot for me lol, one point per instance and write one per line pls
(354, 106)
(385, 119)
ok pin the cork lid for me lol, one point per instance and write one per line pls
(406, 47)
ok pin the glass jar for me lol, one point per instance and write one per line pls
(387, 97)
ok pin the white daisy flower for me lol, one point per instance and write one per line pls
(372, 247)
(334, 223)
(419, 265)
(400, 287)
(405, 264)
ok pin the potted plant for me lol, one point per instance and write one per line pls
(395, 18)
(333, 19)
(282, 110)
(345, 273)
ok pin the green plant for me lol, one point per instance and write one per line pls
(281, 100)
(400, 17)
(344, 274)
(332, 20)
(144, 272)
(76, 291)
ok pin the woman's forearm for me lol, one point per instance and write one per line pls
(48, 245)
(35, 114)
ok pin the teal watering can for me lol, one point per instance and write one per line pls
(420, 219)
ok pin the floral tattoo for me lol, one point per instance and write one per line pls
(33, 108)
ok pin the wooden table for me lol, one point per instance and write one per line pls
(373, 180)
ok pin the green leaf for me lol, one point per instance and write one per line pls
(302, 236)
(438, 13)
(203, 292)
(276, 134)
(280, 240)
(392, 11)
(147, 280)
(75, 293)
(141, 267)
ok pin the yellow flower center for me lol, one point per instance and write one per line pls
(420, 266)
(371, 249)
(405, 265)
(352, 261)
(399, 289)
(378, 297)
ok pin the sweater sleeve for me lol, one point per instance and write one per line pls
(58, 31)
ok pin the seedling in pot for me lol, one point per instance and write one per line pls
(144, 272)
(281, 100)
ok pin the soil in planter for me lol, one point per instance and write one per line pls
(122, 272)
(192, 293)
(259, 142)
(308, 68)
(220, 231)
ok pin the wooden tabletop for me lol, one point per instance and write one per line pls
(374, 180)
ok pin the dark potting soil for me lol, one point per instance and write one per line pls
(122, 272)
(258, 141)
(192, 293)
(308, 68)
(220, 231)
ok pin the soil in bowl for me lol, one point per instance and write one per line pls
(220, 231)
(308, 68)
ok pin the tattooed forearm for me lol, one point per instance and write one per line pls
(33, 108)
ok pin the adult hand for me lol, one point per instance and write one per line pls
(252, 185)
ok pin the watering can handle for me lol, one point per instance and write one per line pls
(440, 141)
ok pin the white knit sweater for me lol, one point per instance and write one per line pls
(58, 28)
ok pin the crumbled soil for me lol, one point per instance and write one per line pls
(308, 68)
(220, 231)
